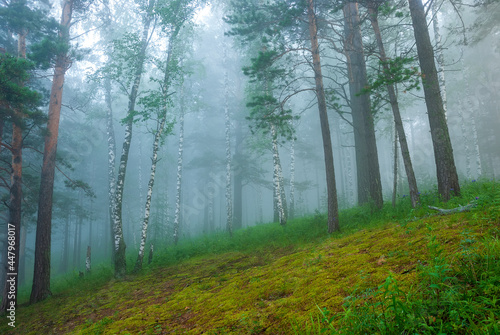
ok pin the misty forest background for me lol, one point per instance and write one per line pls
(186, 117)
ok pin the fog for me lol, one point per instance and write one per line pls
(212, 82)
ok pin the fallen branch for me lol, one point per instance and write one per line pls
(458, 209)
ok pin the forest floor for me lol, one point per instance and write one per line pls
(276, 289)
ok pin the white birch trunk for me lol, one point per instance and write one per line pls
(177, 217)
(154, 160)
(291, 209)
(278, 178)
(229, 197)
(111, 157)
(147, 211)
(88, 264)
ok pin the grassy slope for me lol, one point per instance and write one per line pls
(275, 289)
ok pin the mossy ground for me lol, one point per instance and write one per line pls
(275, 289)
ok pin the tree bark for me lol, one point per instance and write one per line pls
(395, 170)
(65, 254)
(367, 166)
(88, 261)
(229, 196)
(333, 216)
(111, 161)
(291, 208)
(14, 224)
(400, 131)
(279, 193)
(238, 182)
(440, 54)
(154, 161)
(443, 152)
(41, 274)
(177, 217)
(13, 251)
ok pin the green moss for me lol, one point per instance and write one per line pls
(271, 288)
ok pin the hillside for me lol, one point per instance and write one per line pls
(428, 271)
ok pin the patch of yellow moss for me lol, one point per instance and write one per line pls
(241, 293)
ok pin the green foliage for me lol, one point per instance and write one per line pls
(399, 70)
(15, 95)
(124, 61)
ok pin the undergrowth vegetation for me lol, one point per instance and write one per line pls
(391, 271)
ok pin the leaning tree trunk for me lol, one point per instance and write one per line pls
(278, 180)
(156, 146)
(447, 176)
(119, 242)
(154, 161)
(333, 210)
(405, 152)
(41, 274)
(367, 165)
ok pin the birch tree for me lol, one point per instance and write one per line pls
(178, 190)
(161, 101)
(282, 23)
(227, 125)
(126, 69)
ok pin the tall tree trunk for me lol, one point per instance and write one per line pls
(154, 161)
(238, 181)
(440, 54)
(177, 217)
(111, 162)
(291, 208)
(88, 260)
(368, 171)
(465, 139)
(443, 152)
(79, 245)
(22, 256)
(227, 121)
(278, 180)
(41, 274)
(15, 201)
(119, 242)
(14, 224)
(75, 247)
(395, 170)
(400, 131)
(65, 253)
(333, 211)
(472, 118)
